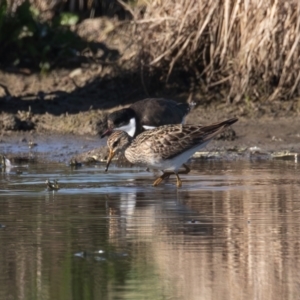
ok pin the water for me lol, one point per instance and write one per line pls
(231, 232)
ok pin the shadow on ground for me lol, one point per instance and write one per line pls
(121, 88)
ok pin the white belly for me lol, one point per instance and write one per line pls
(154, 161)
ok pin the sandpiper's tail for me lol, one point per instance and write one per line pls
(208, 132)
(226, 123)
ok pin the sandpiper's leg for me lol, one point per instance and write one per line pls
(179, 183)
(185, 171)
(166, 175)
(161, 178)
(157, 181)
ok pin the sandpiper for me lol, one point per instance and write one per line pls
(147, 114)
(165, 148)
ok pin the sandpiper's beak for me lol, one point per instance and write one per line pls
(106, 132)
(110, 157)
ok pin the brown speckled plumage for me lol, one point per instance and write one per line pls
(166, 147)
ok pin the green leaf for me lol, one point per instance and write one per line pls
(68, 19)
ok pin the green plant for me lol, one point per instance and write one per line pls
(27, 41)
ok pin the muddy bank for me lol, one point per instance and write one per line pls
(263, 139)
(67, 107)
(65, 122)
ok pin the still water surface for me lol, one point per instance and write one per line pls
(231, 232)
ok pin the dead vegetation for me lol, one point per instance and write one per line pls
(250, 48)
(244, 50)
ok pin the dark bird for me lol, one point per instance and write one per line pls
(147, 114)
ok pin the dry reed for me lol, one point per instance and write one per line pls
(250, 47)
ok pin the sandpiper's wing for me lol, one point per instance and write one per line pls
(171, 140)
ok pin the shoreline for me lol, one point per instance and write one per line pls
(265, 139)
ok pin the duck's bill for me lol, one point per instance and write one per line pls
(106, 132)
(110, 157)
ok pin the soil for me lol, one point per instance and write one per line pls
(75, 100)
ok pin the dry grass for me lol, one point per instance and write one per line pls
(250, 47)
